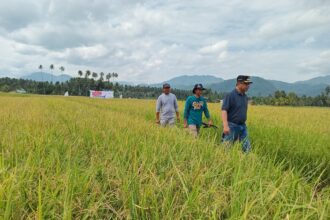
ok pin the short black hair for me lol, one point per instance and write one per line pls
(166, 85)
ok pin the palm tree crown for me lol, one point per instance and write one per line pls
(88, 73)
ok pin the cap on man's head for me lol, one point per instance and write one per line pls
(244, 79)
(166, 85)
(198, 86)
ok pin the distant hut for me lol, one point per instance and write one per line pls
(21, 91)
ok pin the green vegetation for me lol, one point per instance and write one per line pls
(80, 87)
(79, 158)
(280, 98)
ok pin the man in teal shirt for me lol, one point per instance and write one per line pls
(194, 108)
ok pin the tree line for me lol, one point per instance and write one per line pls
(80, 86)
(88, 80)
(281, 98)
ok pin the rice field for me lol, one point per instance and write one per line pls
(81, 158)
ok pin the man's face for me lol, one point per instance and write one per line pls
(198, 92)
(244, 86)
(167, 90)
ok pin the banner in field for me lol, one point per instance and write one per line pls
(101, 94)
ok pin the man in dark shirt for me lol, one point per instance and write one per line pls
(234, 114)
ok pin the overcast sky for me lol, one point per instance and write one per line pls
(151, 41)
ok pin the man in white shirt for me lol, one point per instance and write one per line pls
(167, 107)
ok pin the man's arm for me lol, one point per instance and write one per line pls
(158, 107)
(224, 115)
(157, 118)
(178, 116)
(186, 113)
(176, 106)
(207, 113)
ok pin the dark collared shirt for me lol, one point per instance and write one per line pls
(236, 105)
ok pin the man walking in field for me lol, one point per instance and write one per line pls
(193, 111)
(167, 107)
(234, 114)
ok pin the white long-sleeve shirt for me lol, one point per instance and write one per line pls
(167, 105)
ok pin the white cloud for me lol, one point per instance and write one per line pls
(219, 50)
(295, 22)
(215, 48)
(309, 40)
(92, 52)
(222, 55)
(318, 65)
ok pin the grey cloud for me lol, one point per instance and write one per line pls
(155, 40)
(18, 14)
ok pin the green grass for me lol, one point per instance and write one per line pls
(78, 158)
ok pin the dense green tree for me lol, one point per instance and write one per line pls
(280, 98)
(327, 90)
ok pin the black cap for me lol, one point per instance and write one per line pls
(244, 79)
(166, 85)
(198, 86)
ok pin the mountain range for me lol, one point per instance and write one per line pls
(47, 77)
(186, 81)
(260, 86)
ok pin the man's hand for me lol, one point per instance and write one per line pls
(224, 115)
(226, 130)
(185, 125)
(177, 116)
(157, 118)
(210, 123)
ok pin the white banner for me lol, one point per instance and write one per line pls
(101, 94)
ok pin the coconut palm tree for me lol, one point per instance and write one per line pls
(87, 74)
(108, 77)
(42, 76)
(80, 73)
(101, 76)
(94, 75)
(51, 67)
(62, 69)
(114, 75)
